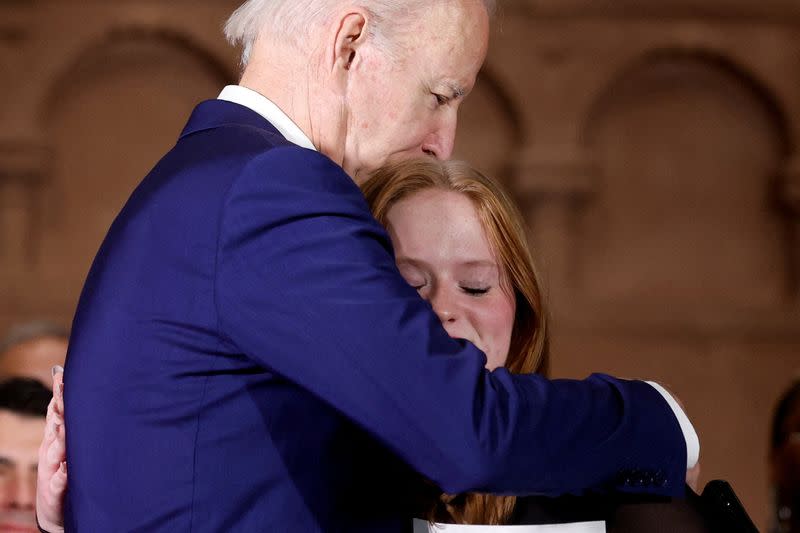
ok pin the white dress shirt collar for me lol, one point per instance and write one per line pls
(271, 112)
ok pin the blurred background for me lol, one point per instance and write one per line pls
(652, 146)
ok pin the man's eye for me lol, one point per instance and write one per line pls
(441, 99)
(475, 291)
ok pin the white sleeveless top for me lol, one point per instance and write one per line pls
(421, 526)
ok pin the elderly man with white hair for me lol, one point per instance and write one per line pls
(245, 355)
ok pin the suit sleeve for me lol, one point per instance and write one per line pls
(306, 285)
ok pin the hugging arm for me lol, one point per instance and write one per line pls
(306, 285)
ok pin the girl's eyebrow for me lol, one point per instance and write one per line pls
(480, 263)
(475, 263)
(403, 260)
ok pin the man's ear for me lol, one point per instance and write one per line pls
(351, 34)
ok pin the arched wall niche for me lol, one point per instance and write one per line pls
(490, 132)
(101, 49)
(719, 60)
(744, 9)
(108, 119)
(689, 148)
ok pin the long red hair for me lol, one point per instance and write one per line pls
(503, 224)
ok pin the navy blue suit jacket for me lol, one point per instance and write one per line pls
(246, 357)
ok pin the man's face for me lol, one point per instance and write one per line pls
(407, 106)
(33, 359)
(19, 443)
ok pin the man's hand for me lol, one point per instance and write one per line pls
(51, 483)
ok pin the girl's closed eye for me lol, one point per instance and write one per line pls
(475, 290)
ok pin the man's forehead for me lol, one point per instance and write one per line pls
(20, 430)
(451, 38)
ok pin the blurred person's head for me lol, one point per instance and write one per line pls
(784, 457)
(460, 241)
(23, 407)
(369, 81)
(32, 349)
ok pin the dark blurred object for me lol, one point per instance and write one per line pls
(662, 515)
(784, 459)
(718, 510)
(724, 509)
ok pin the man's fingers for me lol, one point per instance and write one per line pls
(52, 476)
(58, 483)
(49, 421)
(50, 495)
(56, 452)
(53, 422)
(58, 387)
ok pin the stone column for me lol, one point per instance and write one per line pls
(22, 170)
(553, 182)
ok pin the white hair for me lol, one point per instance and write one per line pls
(293, 18)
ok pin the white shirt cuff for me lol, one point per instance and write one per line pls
(689, 434)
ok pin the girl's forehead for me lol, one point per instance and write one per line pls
(439, 221)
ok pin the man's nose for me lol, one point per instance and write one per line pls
(23, 493)
(441, 142)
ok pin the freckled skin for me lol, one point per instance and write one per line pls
(442, 249)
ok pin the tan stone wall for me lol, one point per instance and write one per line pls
(652, 145)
